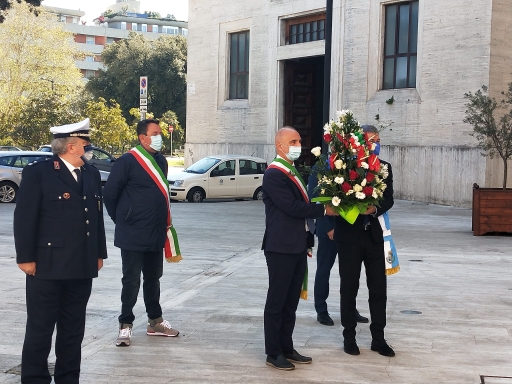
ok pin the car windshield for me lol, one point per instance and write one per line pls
(45, 148)
(202, 165)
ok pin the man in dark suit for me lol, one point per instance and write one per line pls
(325, 258)
(285, 244)
(60, 244)
(362, 242)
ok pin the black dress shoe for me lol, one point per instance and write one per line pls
(383, 348)
(324, 318)
(350, 347)
(296, 357)
(361, 319)
(280, 362)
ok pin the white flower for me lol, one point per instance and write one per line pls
(327, 128)
(339, 180)
(365, 165)
(360, 195)
(336, 201)
(354, 150)
(374, 194)
(358, 188)
(322, 191)
(349, 192)
(377, 179)
(363, 183)
(316, 151)
(325, 180)
(338, 164)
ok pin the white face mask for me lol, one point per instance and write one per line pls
(156, 142)
(294, 152)
(87, 156)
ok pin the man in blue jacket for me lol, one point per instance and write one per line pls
(60, 245)
(288, 225)
(136, 204)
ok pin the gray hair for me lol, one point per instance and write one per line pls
(369, 128)
(60, 146)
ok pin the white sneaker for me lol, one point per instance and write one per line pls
(123, 339)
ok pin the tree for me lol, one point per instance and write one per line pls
(169, 118)
(164, 61)
(109, 127)
(492, 124)
(37, 71)
(152, 15)
(6, 4)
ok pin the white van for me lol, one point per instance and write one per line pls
(219, 177)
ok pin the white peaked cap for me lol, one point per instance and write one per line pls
(80, 129)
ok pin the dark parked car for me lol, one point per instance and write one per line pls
(101, 159)
(11, 166)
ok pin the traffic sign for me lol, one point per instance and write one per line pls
(143, 101)
(143, 87)
(171, 128)
(143, 108)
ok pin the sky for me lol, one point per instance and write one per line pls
(93, 8)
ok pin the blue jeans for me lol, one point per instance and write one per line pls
(151, 265)
(325, 258)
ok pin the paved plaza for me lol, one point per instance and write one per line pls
(449, 308)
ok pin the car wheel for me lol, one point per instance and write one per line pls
(8, 192)
(258, 194)
(196, 195)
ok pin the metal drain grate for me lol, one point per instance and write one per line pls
(410, 312)
(495, 380)
(17, 369)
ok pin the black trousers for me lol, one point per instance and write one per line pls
(363, 250)
(286, 274)
(50, 302)
(151, 264)
(325, 258)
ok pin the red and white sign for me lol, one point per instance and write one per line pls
(171, 128)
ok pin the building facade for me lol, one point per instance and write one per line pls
(92, 39)
(404, 65)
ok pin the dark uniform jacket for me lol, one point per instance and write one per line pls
(348, 233)
(136, 205)
(285, 211)
(323, 224)
(57, 225)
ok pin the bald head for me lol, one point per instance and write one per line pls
(285, 138)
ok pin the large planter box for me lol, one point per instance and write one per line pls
(492, 210)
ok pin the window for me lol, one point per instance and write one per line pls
(123, 25)
(110, 40)
(89, 59)
(239, 65)
(89, 73)
(23, 161)
(155, 28)
(400, 45)
(184, 31)
(6, 160)
(224, 169)
(134, 27)
(90, 40)
(170, 30)
(100, 155)
(249, 167)
(144, 27)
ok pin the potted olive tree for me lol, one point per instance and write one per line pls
(492, 127)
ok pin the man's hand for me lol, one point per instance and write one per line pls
(370, 210)
(100, 264)
(28, 268)
(329, 211)
(330, 234)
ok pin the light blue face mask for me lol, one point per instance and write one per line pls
(156, 142)
(294, 152)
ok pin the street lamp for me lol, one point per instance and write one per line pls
(171, 128)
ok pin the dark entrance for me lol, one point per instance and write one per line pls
(303, 90)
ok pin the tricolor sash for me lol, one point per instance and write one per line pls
(390, 255)
(294, 175)
(146, 161)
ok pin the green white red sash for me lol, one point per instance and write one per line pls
(146, 161)
(294, 175)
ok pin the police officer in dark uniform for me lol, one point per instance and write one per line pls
(60, 244)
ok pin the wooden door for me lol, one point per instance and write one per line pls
(300, 104)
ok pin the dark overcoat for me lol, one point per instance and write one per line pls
(56, 224)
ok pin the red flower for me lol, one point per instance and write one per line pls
(374, 163)
(327, 138)
(340, 138)
(345, 187)
(331, 160)
(370, 176)
(352, 175)
(368, 191)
